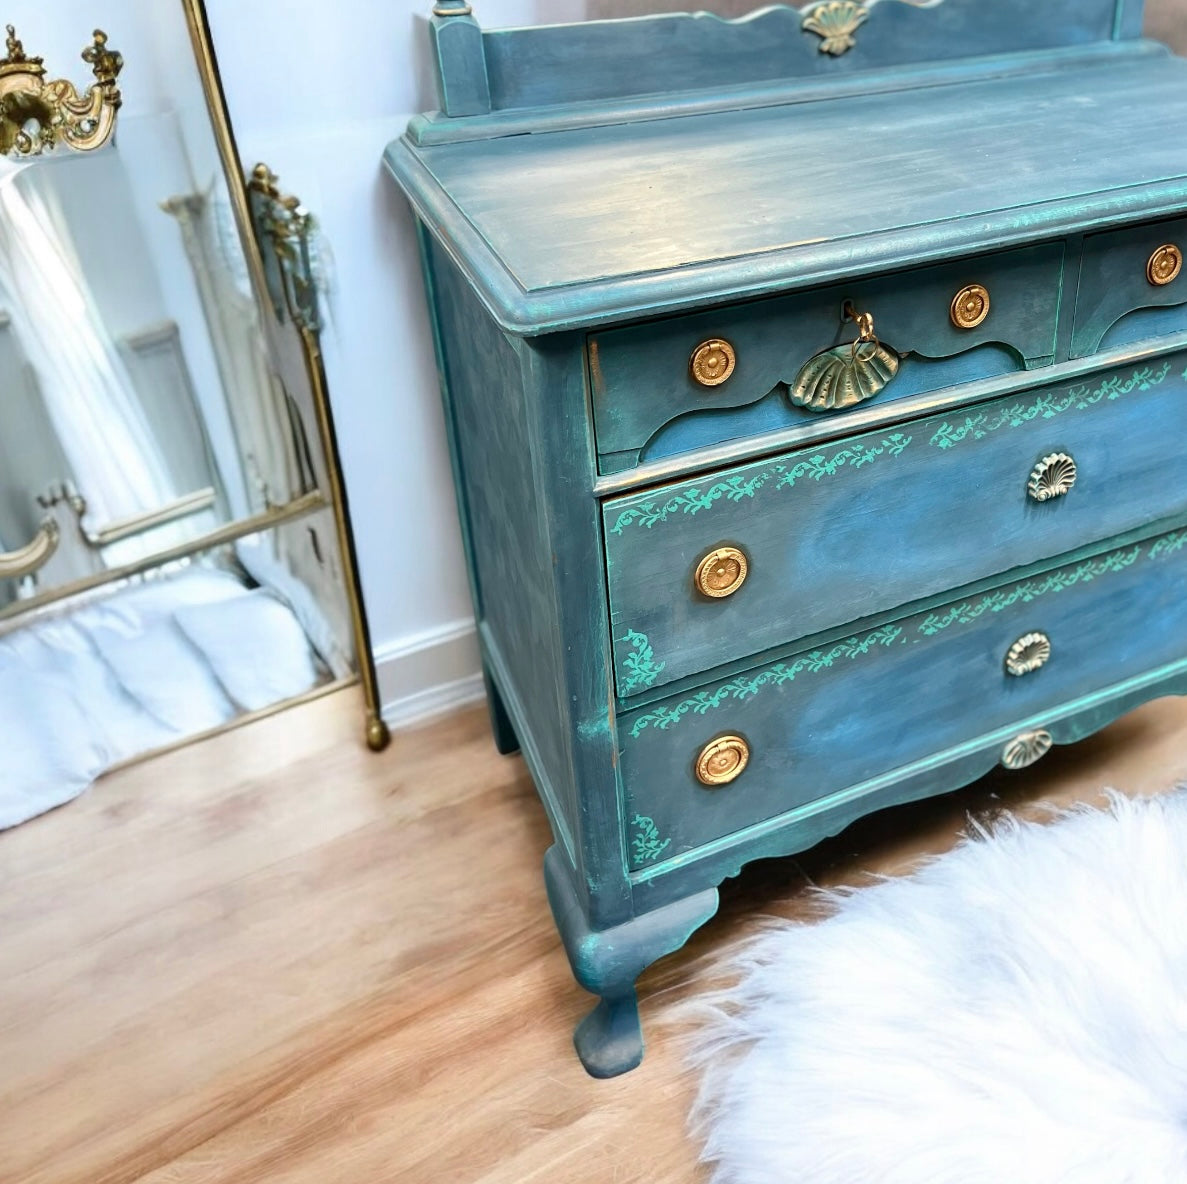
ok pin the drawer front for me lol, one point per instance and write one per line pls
(824, 722)
(647, 400)
(1131, 286)
(752, 558)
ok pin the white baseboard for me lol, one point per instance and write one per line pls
(429, 674)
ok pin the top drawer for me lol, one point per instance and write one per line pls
(671, 386)
(705, 573)
(1132, 286)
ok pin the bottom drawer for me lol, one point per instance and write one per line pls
(703, 765)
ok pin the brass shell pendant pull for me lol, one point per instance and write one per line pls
(846, 375)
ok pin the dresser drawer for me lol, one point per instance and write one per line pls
(751, 558)
(669, 386)
(834, 719)
(1131, 286)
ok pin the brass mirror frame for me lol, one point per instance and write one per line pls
(377, 734)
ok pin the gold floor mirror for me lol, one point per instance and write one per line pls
(175, 551)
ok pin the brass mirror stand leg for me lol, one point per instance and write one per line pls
(378, 735)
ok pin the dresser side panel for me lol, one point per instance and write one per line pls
(505, 530)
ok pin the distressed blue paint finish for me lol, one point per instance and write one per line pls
(611, 59)
(894, 552)
(837, 533)
(918, 691)
(641, 379)
(1114, 284)
(581, 226)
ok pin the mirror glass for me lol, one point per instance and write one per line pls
(168, 557)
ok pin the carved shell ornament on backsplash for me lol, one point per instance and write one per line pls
(836, 21)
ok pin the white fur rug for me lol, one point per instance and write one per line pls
(1013, 1013)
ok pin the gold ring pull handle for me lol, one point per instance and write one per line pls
(33, 556)
(846, 375)
(722, 760)
(1052, 477)
(721, 573)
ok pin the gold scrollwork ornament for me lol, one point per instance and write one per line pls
(36, 116)
(836, 21)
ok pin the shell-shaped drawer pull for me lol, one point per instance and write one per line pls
(722, 760)
(1028, 654)
(846, 375)
(713, 362)
(1052, 477)
(970, 306)
(721, 573)
(1026, 749)
(1165, 265)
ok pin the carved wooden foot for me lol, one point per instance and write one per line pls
(609, 1040)
(607, 962)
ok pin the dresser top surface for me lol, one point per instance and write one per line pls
(580, 226)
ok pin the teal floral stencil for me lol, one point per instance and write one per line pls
(640, 667)
(1048, 406)
(745, 686)
(1028, 590)
(1168, 544)
(694, 498)
(646, 846)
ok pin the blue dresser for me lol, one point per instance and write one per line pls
(816, 386)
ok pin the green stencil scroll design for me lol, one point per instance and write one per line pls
(1047, 406)
(695, 498)
(1029, 590)
(1168, 544)
(645, 842)
(641, 668)
(747, 685)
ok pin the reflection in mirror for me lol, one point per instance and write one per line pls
(168, 555)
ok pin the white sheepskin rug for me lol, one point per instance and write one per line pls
(1013, 1013)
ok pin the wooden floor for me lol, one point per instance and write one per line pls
(275, 957)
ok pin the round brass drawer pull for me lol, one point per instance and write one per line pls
(721, 573)
(713, 361)
(1165, 265)
(1028, 654)
(970, 306)
(723, 760)
(1052, 477)
(1024, 750)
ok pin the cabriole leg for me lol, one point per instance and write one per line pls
(607, 962)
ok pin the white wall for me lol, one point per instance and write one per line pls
(317, 90)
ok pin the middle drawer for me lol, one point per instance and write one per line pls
(760, 555)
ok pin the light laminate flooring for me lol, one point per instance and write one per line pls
(274, 956)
